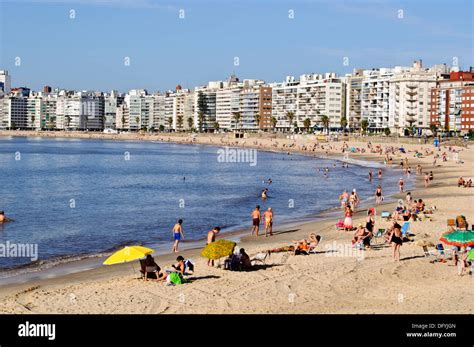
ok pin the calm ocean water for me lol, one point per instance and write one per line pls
(77, 197)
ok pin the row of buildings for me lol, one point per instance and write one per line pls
(395, 98)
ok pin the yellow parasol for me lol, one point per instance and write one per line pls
(128, 253)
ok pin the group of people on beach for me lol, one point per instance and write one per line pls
(464, 183)
(257, 219)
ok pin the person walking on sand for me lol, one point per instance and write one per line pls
(211, 237)
(396, 240)
(401, 184)
(378, 195)
(177, 235)
(256, 220)
(427, 180)
(268, 221)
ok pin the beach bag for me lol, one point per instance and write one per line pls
(175, 278)
(340, 224)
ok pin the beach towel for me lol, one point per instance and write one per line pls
(175, 278)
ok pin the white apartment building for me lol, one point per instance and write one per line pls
(209, 93)
(310, 97)
(5, 82)
(15, 112)
(34, 106)
(82, 110)
(410, 97)
(111, 103)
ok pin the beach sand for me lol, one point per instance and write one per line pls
(326, 282)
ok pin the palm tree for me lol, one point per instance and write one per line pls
(343, 122)
(364, 125)
(274, 122)
(33, 121)
(237, 117)
(170, 122)
(179, 121)
(123, 122)
(257, 119)
(201, 120)
(290, 116)
(190, 122)
(325, 121)
(68, 121)
(215, 125)
(137, 120)
(307, 124)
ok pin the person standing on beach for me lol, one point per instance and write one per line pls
(396, 240)
(268, 221)
(177, 235)
(211, 237)
(256, 220)
(379, 174)
(378, 195)
(401, 184)
(370, 175)
(427, 180)
(348, 219)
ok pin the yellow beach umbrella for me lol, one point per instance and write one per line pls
(127, 254)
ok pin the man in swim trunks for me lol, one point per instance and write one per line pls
(268, 221)
(211, 237)
(177, 235)
(256, 220)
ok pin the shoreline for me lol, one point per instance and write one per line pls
(74, 263)
(449, 199)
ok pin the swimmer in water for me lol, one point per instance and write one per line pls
(3, 218)
(264, 194)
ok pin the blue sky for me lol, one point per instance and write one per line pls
(88, 52)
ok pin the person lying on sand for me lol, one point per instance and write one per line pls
(301, 247)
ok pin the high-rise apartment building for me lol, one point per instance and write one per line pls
(452, 102)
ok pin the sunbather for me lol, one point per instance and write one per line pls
(152, 267)
(301, 247)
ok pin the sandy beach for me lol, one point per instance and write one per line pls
(335, 280)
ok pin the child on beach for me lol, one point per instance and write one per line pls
(177, 235)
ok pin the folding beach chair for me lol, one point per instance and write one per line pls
(429, 253)
(260, 257)
(444, 252)
(378, 235)
(405, 228)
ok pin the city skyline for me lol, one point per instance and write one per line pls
(81, 53)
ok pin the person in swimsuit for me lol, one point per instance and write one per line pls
(348, 219)
(396, 240)
(268, 221)
(3, 218)
(211, 237)
(177, 235)
(401, 184)
(378, 195)
(370, 175)
(256, 220)
(379, 174)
